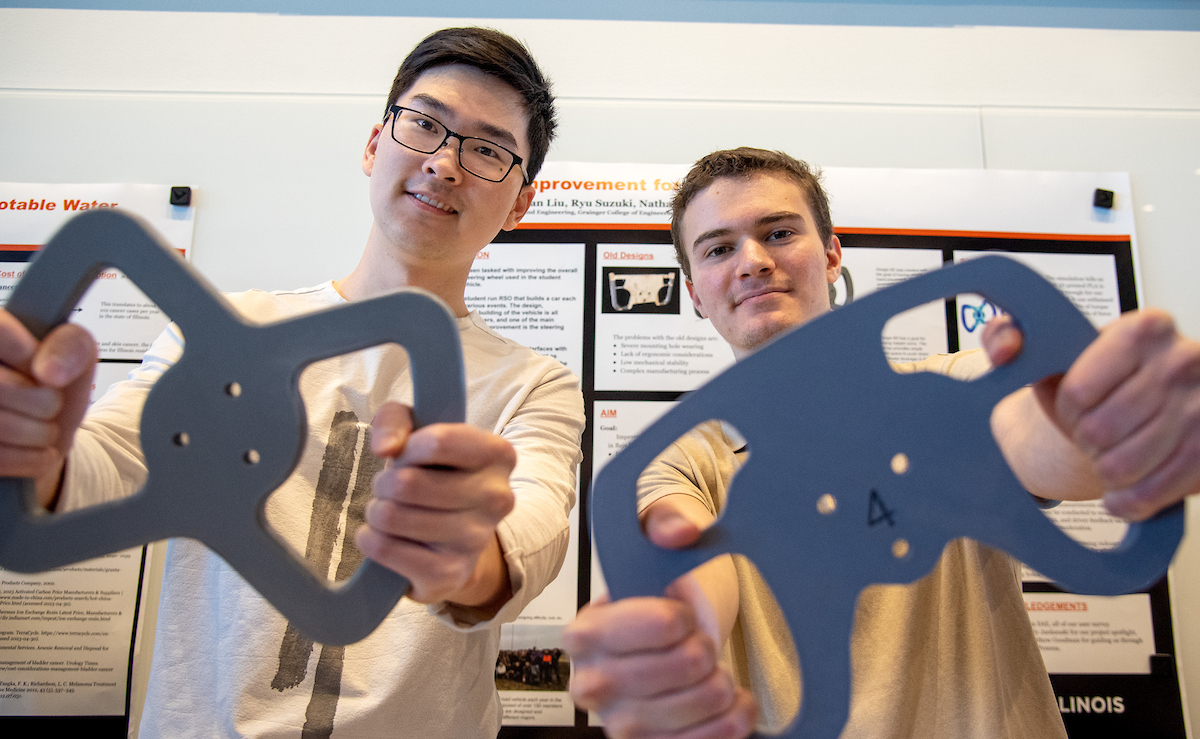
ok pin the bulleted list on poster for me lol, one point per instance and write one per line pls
(65, 637)
(649, 336)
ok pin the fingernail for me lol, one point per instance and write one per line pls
(390, 442)
(56, 369)
(1122, 504)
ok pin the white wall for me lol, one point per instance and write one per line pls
(266, 116)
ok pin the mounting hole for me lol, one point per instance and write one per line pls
(233, 390)
(181, 439)
(900, 548)
(826, 504)
(251, 456)
(900, 463)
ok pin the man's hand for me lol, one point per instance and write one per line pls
(649, 666)
(436, 506)
(1130, 405)
(44, 391)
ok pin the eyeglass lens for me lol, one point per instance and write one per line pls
(478, 156)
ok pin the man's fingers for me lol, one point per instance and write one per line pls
(66, 354)
(18, 461)
(1118, 352)
(1002, 340)
(423, 566)
(459, 446)
(1174, 480)
(668, 527)
(485, 494)
(1125, 454)
(390, 429)
(675, 521)
(439, 529)
(17, 345)
(23, 431)
(628, 626)
(20, 394)
(674, 712)
(646, 674)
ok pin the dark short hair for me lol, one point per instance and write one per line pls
(745, 162)
(494, 53)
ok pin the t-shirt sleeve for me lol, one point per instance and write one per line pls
(106, 460)
(698, 464)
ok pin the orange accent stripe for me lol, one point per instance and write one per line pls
(598, 226)
(984, 234)
(37, 247)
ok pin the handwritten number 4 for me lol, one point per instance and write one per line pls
(877, 512)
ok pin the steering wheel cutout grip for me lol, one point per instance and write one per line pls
(224, 426)
(860, 475)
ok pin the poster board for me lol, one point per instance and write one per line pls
(602, 230)
(68, 636)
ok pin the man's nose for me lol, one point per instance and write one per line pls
(755, 258)
(443, 161)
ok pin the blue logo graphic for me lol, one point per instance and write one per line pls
(974, 316)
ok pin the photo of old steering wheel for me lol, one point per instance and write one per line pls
(847, 290)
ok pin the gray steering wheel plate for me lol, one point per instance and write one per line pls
(837, 414)
(240, 446)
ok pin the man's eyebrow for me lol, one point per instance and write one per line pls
(496, 132)
(780, 215)
(715, 233)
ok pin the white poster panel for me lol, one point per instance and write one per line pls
(914, 334)
(532, 670)
(649, 336)
(1087, 522)
(617, 423)
(532, 294)
(65, 637)
(123, 320)
(1089, 280)
(1092, 634)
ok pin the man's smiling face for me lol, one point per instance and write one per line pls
(426, 205)
(758, 265)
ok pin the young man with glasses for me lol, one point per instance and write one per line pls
(473, 514)
(949, 656)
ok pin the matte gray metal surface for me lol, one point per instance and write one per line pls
(241, 441)
(824, 413)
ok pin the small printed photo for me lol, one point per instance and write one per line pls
(531, 658)
(640, 290)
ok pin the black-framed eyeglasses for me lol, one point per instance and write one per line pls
(423, 133)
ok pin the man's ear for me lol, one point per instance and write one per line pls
(833, 260)
(368, 161)
(695, 299)
(520, 207)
